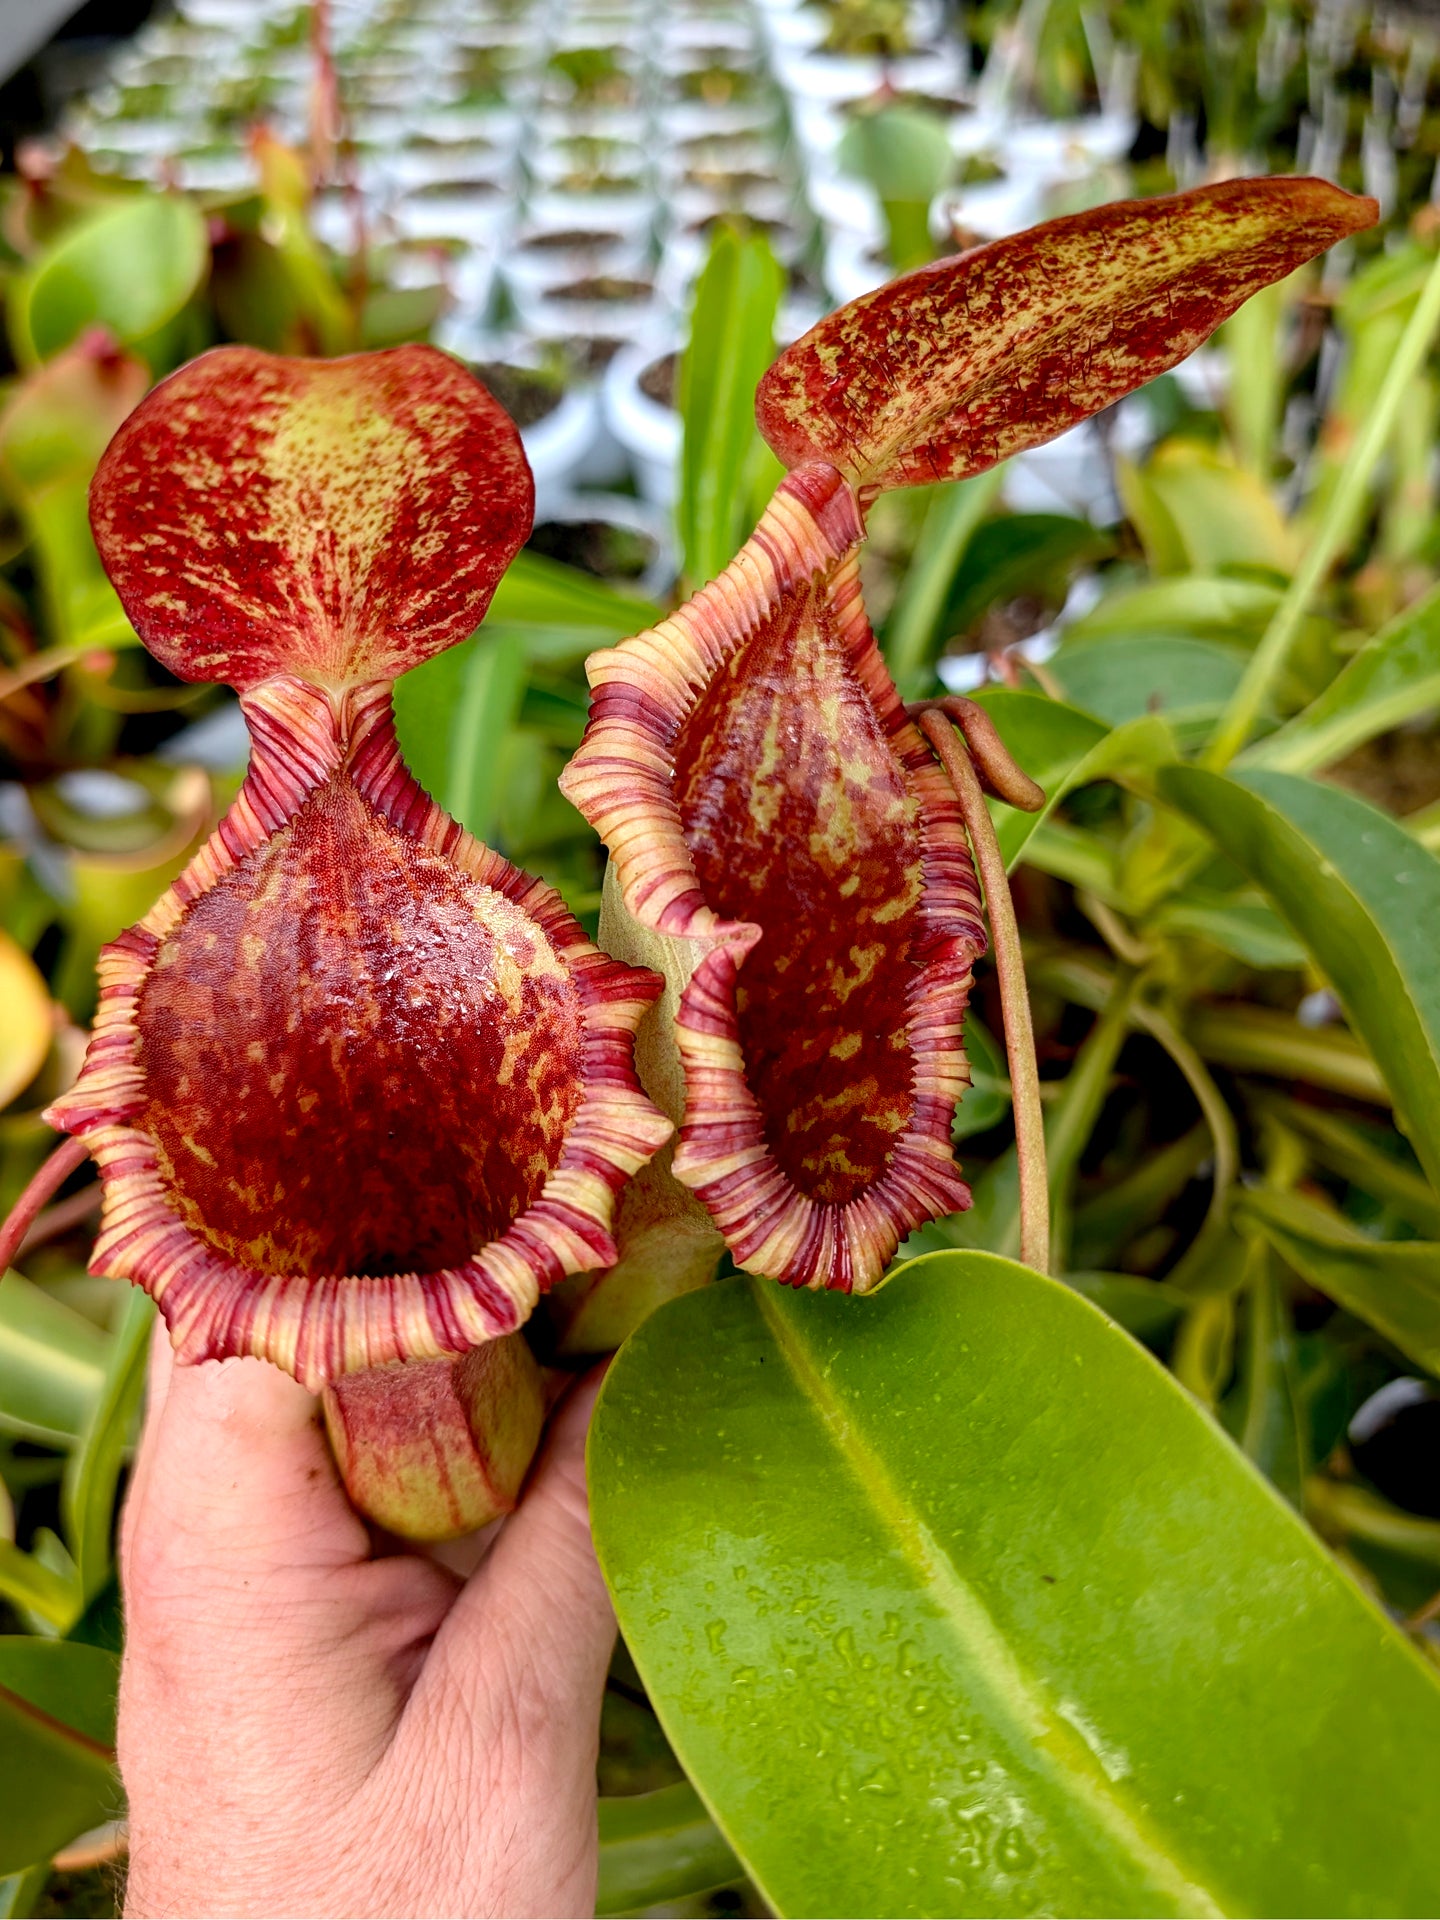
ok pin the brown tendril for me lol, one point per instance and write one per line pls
(965, 756)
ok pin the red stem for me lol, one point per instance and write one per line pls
(51, 1176)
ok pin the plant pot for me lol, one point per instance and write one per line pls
(696, 119)
(421, 162)
(646, 426)
(579, 528)
(559, 438)
(848, 205)
(1066, 149)
(616, 306)
(473, 209)
(537, 256)
(815, 75)
(585, 163)
(630, 214)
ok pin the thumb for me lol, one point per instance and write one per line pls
(516, 1677)
(538, 1598)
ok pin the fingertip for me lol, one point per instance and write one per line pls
(235, 1453)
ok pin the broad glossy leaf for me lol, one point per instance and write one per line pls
(951, 1602)
(57, 1737)
(660, 1846)
(27, 1022)
(1148, 1309)
(1365, 899)
(1393, 1285)
(1393, 677)
(960, 364)
(131, 270)
(732, 340)
(52, 1364)
(1186, 682)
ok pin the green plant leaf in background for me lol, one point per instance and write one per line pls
(1019, 553)
(536, 592)
(1392, 1285)
(453, 715)
(919, 620)
(1364, 897)
(952, 1602)
(132, 270)
(1063, 748)
(57, 1738)
(52, 1364)
(732, 341)
(92, 1473)
(904, 153)
(1393, 677)
(1195, 511)
(660, 1846)
(987, 1099)
(1186, 682)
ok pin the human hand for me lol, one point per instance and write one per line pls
(308, 1729)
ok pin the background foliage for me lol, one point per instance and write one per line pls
(1232, 967)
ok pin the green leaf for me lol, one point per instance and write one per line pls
(987, 1099)
(1253, 1039)
(732, 341)
(27, 1583)
(1148, 1309)
(1203, 605)
(1185, 681)
(20, 1892)
(57, 1737)
(660, 1846)
(1029, 553)
(1264, 1412)
(534, 591)
(453, 714)
(93, 1470)
(1392, 1285)
(1249, 930)
(1193, 509)
(1394, 677)
(130, 269)
(52, 1364)
(950, 1601)
(918, 620)
(1363, 896)
(1365, 1158)
(1063, 749)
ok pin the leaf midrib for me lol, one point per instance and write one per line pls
(1066, 1757)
